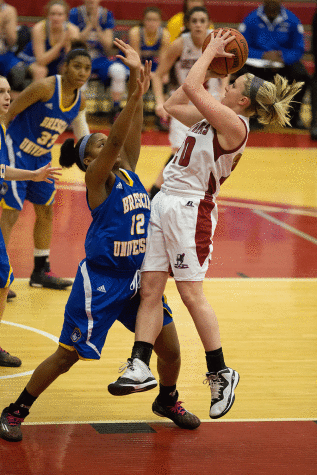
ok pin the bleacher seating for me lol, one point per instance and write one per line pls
(129, 12)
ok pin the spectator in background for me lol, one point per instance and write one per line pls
(313, 124)
(96, 25)
(179, 58)
(175, 25)
(10, 66)
(151, 40)
(51, 40)
(276, 45)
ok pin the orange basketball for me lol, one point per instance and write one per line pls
(239, 47)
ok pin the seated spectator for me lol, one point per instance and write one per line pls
(313, 124)
(96, 25)
(151, 40)
(51, 40)
(175, 25)
(276, 45)
(11, 66)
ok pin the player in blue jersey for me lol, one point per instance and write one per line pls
(106, 284)
(9, 173)
(40, 114)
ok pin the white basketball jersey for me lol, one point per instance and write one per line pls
(187, 59)
(200, 165)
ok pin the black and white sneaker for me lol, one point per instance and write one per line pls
(137, 378)
(222, 386)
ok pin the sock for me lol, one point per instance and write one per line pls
(215, 360)
(168, 395)
(143, 351)
(41, 260)
(25, 399)
(153, 191)
(21, 407)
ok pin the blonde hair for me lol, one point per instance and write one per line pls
(272, 102)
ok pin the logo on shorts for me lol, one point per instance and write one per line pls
(190, 203)
(76, 335)
(102, 289)
(180, 262)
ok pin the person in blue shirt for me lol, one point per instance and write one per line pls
(96, 26)
(107, 280)
(8, 172)
(276, 45)
(36, 118)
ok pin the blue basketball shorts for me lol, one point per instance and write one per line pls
(98, 298)
(6, 273)
(40, 193)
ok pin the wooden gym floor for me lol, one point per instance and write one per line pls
(262, 284)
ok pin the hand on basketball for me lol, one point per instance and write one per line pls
(218, 44)
(131, 57)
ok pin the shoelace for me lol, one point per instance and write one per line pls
(216, 384)
(13, 420)
(127, 365)
(177, 408)
(3, 351)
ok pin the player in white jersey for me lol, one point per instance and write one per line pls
(179, 58)
(183, 214)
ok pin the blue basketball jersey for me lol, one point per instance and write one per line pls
(150, 52)
(116, 237)
(36, 129)
(4, 160)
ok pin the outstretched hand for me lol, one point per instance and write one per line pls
(145, 78)
(47, 173)
(218, 44)
(131, 57)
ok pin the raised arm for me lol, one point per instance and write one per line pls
(132, 145)
(99, 171)
(221, 117)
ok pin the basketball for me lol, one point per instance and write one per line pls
(239, 47)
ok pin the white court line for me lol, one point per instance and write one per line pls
(269, 208)
(285, 226)
(133, 421)
(35, 330)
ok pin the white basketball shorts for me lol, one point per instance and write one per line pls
(180, 235)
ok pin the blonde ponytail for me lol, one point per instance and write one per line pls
(271, 102)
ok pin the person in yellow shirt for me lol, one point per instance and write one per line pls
(175, 25)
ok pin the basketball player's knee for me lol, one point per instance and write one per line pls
(189, 299)
(118, 74)
(9, 217)
(44, 212)
(66, 362)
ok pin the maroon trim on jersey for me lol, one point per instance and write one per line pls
(218, 151)
(204, 228)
